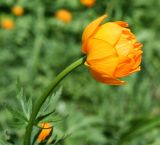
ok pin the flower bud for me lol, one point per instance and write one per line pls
(45, 131)
(88, 3)
(64, 15)
(7, 24)
(18, 10)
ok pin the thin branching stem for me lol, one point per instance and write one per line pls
(39, 102)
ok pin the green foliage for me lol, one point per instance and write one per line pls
(40, 46)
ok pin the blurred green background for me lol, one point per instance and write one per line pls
(39, 46)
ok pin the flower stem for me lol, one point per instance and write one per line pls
(37, 105)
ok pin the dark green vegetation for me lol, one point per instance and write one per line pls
(40, 46)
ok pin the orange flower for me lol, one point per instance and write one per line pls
(64, 15)
(88, 3)
(112, 51)
(45, 131)
(18, 10)
(7, 24)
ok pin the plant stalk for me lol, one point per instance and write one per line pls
(37, 105)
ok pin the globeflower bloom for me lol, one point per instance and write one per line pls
(64, 15)
(88, 3)
(112, 51)
(18, 10)
(7, 24)
(45, 131)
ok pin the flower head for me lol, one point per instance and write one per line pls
(7, 23)
(45, 131)
(18, 10)
(64, 15)
(88, 3)
(112, 51)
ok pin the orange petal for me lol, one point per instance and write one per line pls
(89, 30)
(136, 69)
(99, 49)
(124, 68)
(128, 32)
(137, 45)
(135, 53)
(137, 62)
(114, 81)
(109, 32)
(107, 80)
(122, 24)
(123, 47)
(105, 66)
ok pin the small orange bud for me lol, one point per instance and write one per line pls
(112, 51)
(64, 15)
(45, 131)
(7, 24)
(88, 3)
(18, 10)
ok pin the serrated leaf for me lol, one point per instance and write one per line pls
(22, 99)
(17, 114)
(29, 103)
(51, 102)
(56, 119)
(44, 116)
(25, 104)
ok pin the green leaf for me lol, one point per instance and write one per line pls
(17, 114)
(25, 103)
(50, 104)
(44, 116)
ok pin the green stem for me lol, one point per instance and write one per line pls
(47, 92)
